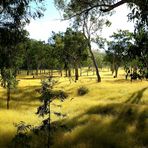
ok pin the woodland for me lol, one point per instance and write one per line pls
(63, 93)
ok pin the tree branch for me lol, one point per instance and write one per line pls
(111, 7)
(107, 8)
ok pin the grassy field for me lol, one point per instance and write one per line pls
(114, 113)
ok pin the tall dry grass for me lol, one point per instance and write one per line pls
(114, 113)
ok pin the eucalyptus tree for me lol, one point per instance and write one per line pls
(56, 42)
(118, 49)
(140, 49)
(78, 7)
(75, 49)
(14, 15)
(69, 50)
(89, 23)
(11, 58)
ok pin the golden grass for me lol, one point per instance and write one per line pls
(114, 113)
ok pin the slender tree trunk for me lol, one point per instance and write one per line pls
(112, 68)
(28, 71)
(94, 62)
(69, 72)
(8, 95)
(49, 127)
(116, 70)
(66, 73)
(76, 73)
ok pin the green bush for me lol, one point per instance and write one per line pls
(82, 91)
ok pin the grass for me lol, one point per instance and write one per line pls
(114, 113)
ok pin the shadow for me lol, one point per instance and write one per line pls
(101, 126)
(22, 98)
(136, 96)
(109, 126)
(115, 80)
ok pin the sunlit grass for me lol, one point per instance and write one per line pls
(113, 113)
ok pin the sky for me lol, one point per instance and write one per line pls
(41, 29)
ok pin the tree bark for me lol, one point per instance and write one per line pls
(76, 73)
(94, 62)
(66, 73)
(8, 95)
(116, 70)
(69, 72)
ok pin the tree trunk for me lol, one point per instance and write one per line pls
(69, 72)
(94, 62)
(66, 73)
(60, 72)
(8, 95)
(28, 71)
(112, 68)
(116, 71)
(76, 73)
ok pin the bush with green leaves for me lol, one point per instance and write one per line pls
(82, 91)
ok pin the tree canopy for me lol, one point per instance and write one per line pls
(139, 9)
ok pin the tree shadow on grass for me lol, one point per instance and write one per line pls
(23, 97)
(109, 126)
(136, 96)
(102, 126)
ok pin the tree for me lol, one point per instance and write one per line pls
(15, 14)
(91, 24)
(140, 49)
(117, 52)
(75, 49)
(69, 50)
(11, 57)
(138, 8)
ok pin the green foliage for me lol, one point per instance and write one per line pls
(22, 139)
(75, 8)
(82, 91)
(8, 78)
(61, 94)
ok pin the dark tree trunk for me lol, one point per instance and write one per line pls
(76, 73)
(112, 68)
(69, 72)
(116, 71)
(66, 73)
(61, 74)
(94, 62)
(8, 95)
(28, 71)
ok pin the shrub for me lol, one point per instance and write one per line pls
(82, 91)
(60, 94)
